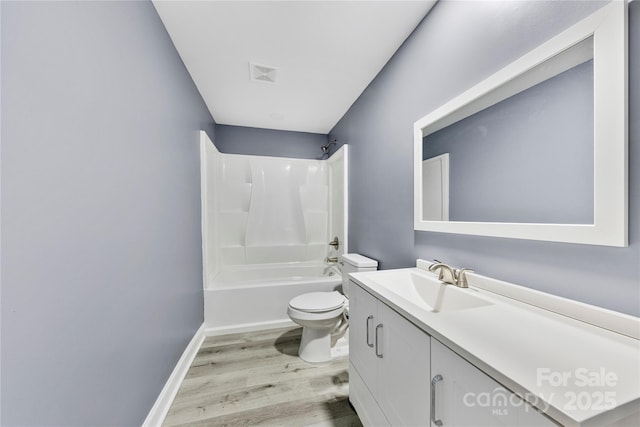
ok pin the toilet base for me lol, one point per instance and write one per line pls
(315, 345)
(322, 345)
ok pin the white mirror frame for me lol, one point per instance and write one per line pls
(608, 27)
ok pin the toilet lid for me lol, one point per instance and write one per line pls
(317, 301)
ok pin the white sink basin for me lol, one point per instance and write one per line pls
(427, 291)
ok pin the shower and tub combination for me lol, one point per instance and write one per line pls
(267, 227)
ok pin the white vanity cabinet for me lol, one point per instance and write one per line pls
(465, 396)
(401, 376)
(389, 364)
(414, 365)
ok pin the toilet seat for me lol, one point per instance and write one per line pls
(319, 317)
(318, 302)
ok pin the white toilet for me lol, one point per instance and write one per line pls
(321, 313)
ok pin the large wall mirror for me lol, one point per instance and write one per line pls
(539, 149)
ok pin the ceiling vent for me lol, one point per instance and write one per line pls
(262, 73)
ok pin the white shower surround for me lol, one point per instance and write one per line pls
(266, 224)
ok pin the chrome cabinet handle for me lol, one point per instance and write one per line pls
(368, 343)
(434, 381)
(377, 340)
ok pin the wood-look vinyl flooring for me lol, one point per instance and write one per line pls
(258, 379)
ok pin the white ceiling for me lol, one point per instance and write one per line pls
(325, 52)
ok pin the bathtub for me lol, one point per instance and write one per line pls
(253, 297)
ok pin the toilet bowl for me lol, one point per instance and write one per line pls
(319, 314)
(322, 313)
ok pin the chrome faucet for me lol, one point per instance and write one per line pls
(331, 260)
(450, 275)
(447, 274)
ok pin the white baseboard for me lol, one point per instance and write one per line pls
(247, 327)
(159, 411)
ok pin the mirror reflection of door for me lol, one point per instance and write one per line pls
(435, 188)
(528, 158)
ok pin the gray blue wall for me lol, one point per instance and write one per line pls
(269, 142)
(457, 45)
(101, 259)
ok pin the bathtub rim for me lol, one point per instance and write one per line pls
(210, 283)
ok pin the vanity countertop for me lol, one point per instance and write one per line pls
(577, 373)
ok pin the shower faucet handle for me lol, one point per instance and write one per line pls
(331, 260)
(335, 243)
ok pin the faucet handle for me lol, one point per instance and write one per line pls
(461, 277)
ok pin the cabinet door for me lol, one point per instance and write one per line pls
(364, 403)
(403, 369)
(363, 315)
(465, 396)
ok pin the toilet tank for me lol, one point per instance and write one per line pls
(353, 263)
